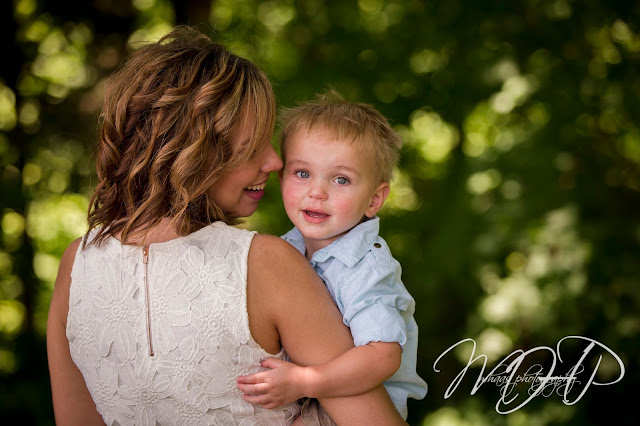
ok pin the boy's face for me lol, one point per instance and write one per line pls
(327, 186)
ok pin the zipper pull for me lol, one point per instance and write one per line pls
(145, 254)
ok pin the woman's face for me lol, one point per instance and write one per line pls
(237, 192)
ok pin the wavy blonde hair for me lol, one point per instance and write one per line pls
(166, 130)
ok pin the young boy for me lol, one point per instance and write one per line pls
(338, 159)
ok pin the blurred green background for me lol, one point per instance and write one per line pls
(515, 210)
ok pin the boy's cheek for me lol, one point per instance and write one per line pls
(344, 207)
(288, 194)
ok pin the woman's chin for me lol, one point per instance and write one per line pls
(244, 211)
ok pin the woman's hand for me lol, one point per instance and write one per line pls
(282, 384)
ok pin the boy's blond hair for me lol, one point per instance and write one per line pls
(346, 121)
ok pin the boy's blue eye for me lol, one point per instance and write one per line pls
(341, 180)
(302, 174)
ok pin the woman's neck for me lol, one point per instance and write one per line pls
(159, 233)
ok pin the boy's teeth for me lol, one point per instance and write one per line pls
(314, 214)
(256, 187)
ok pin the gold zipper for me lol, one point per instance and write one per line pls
(145, 260)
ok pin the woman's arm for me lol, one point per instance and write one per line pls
(72, 403)
(289, 305)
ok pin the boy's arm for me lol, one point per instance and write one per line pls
(358, 370)
(372, 310)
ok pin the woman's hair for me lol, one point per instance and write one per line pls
(166, 130)
(346, 121)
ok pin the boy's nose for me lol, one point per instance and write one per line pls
(317, 191)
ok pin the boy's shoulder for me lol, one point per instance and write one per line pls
(363, 245)
(373, 259)
(380, 253)
(376, 273)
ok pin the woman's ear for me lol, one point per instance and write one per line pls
(377, 199)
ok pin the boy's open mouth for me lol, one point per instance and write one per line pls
(315, 216)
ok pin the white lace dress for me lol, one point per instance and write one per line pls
(160, 336)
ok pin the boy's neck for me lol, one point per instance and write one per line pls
(311, 246)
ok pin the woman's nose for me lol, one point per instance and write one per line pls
(271, 161)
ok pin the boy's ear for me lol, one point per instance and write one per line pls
(377, 199)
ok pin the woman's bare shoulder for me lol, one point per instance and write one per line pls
(285, 291)
(276, 272)
(69, 256)
(70, 252)
(63, 281)
(275, 252)
(271, 242)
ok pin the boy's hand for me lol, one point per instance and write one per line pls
(283, 384)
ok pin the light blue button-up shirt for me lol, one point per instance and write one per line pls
(364, 281)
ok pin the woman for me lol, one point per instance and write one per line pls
(162, 305)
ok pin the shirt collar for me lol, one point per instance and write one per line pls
(295, 238)
(349, 249)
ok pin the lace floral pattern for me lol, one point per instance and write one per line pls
(199, 331)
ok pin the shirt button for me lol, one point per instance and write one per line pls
(377, 245)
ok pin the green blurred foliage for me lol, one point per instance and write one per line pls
(514, 210)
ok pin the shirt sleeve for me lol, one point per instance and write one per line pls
(377, 305)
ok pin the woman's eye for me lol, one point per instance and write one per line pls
(302, 174)
(341, 180)
(258, 150)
